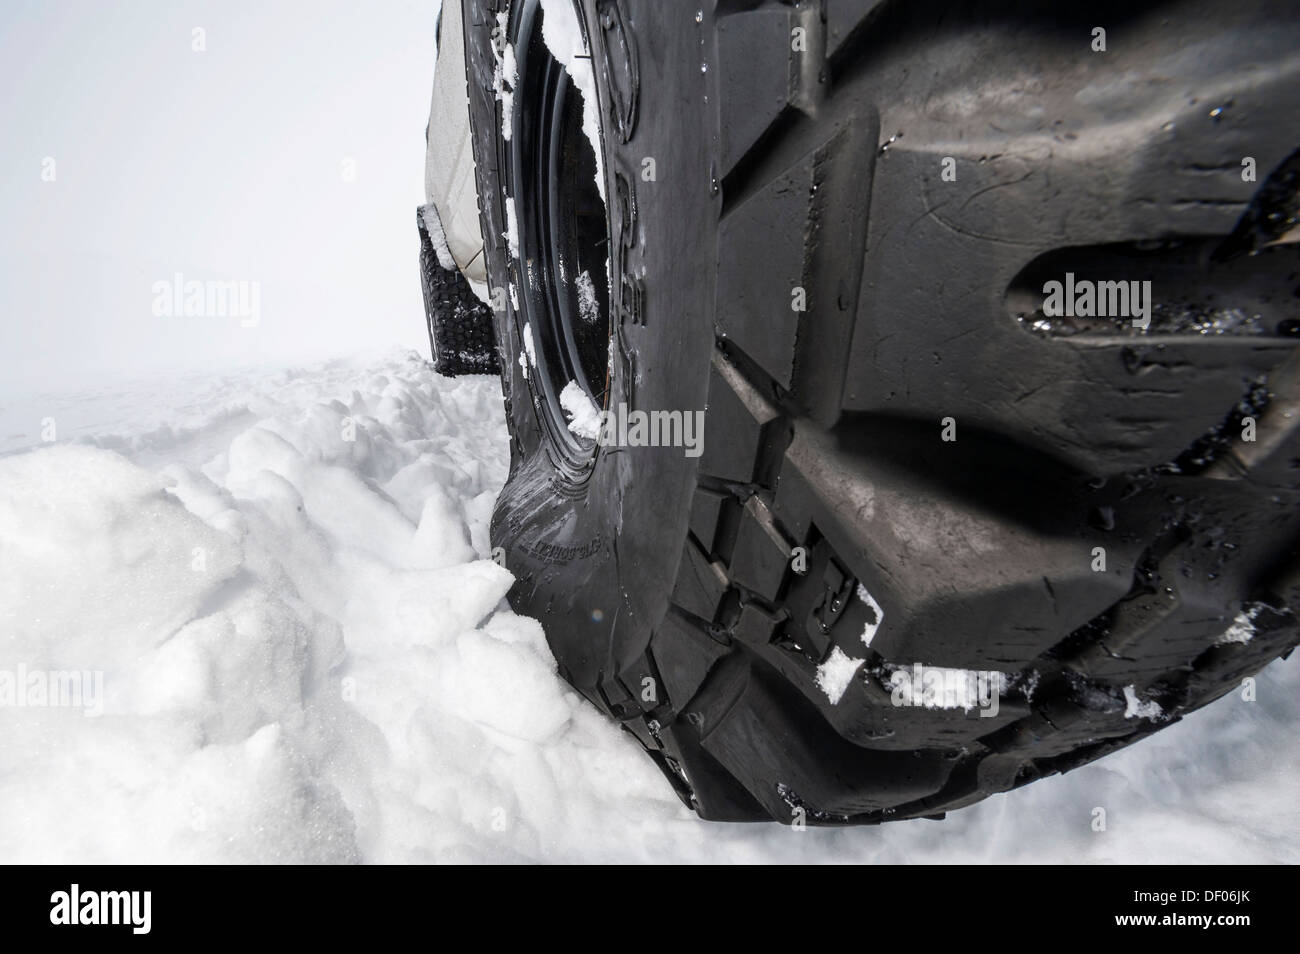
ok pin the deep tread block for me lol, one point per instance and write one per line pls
(684, 655)
(773, 742)
(739, 426)
(706, 511)
(761, 555)
(754, 78)
(761, 255)
(700, 583)
(756, 626)
(843, 17)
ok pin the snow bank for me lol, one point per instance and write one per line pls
(305, 656)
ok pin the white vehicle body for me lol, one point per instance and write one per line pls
(449, 184)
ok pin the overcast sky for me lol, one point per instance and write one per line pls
(225, 164)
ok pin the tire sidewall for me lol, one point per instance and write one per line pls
(595, 557)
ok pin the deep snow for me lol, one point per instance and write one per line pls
(306, 656)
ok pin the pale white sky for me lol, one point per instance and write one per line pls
(221, 165)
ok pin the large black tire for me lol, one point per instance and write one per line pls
(1099, 530)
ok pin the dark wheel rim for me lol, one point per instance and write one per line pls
(563, 236)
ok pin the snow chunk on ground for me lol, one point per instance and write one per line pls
(98, 565)
(835, 674)
(584, 416)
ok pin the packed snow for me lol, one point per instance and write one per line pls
(1242, 629)
(437, 237)
(836, 673)
(284, 581)
(584, 416)
(511, 234)
(872, 626)
(528, 356)
(505, 75)
(1137, 708)
(588, 306)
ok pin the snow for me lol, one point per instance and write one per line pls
(306, 657)
(870, 629)
(510, 68)
(588, 307)
(507, 97)
(1136, 708)
(835, 674)
(1242, 629)
(437, 237)
(583, 415)
(511, 234)
(505, 76)
(529, 351)
(562, 34)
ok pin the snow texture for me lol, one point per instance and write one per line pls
(306, 656)
(437, 237)
(871, 628)
(505, 77)
(835, 674)
(588, 306)
(528, 357)
(1136, 708)
(562, 34)
(583, 415)
(511, 234)
(1242, 629)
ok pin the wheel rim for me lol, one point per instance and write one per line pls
(563, 237)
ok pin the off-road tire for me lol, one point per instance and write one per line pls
(461, 338)
(1075, 504)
